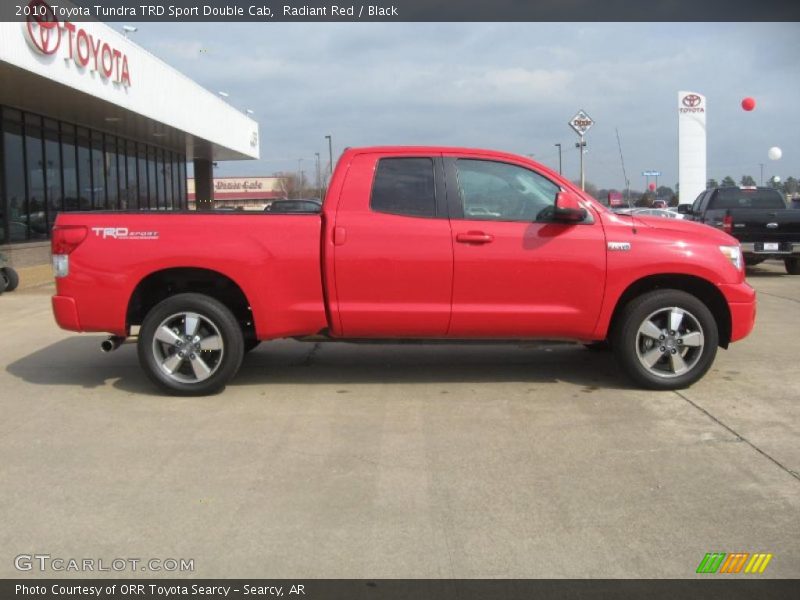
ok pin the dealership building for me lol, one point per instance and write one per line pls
(91, 121)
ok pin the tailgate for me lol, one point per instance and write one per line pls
(782, 226)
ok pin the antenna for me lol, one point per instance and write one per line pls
(624, 174)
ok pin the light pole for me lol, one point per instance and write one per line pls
(300, 177)
(580, 146)
(319, 176)
(559, 158)
(762, 172)
(330, 154)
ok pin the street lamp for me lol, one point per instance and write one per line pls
(224, 94)
(319, 176)
(126, 29)
(559, 158)
(330, 154)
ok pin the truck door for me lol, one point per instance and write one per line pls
(393, 254)
(517, 272)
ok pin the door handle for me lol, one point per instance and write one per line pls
(474, 237)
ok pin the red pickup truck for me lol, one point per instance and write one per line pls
(410, 243)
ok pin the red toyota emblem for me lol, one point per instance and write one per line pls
(692, 100)
(43, 28)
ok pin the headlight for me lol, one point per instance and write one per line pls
(734, 254)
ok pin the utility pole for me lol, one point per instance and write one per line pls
(762, 172)
(559, 158)
(330, 154)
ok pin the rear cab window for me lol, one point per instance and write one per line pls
(404, 186)
(745, 198)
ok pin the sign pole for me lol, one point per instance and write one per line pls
(583, 180)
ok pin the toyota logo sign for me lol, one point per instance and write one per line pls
(77, 43)
(43, 30)
(692, 100)
(692, 103)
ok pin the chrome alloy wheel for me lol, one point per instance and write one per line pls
(669, 342)
(188, 347)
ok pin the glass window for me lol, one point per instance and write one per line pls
(70, 167)
(84, 170)
(131, 188)
(14, 166)
(182, 182)
(404, 186)
(35, 214)
(496, 191)
(99, 200)
(144, 196)
(168, 195)
(176, 192)
(112, 180)
(152, 178)
(160, 183)
(52, 159)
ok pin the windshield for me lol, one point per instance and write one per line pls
(738, 198)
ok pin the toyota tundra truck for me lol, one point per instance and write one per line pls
(411, 243)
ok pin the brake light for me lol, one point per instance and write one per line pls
(67, 238)
(727, 224)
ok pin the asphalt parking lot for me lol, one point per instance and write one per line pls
(341, 460)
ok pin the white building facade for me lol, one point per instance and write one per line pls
(91, 121)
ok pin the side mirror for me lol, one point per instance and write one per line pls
(568, 209)
(685, 209)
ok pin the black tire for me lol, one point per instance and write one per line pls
(11, 278)
(3, 284)
(682, 356)
(203, 371)
(792, 265)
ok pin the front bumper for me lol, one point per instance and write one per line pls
(742, 304)
(784, 249)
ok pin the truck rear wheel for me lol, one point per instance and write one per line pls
(190, 345)
(792, 265)
(666, 339)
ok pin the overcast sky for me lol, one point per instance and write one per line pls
(509, 86)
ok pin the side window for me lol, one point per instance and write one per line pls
(496, 191)
(404, 186)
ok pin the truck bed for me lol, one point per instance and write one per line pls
(274, 257)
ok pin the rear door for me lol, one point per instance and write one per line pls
(518, 273)
(393, 254)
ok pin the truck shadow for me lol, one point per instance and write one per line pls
(77, 361)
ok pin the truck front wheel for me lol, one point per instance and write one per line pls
(666, 339)
(792, 265)
(190, 345)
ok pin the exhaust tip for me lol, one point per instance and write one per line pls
(112, 343)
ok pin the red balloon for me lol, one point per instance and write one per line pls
(748, 104)
(652, 187)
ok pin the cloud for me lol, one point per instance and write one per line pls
(510, 86)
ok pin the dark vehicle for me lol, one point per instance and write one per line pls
(756, 216)
(294, 206)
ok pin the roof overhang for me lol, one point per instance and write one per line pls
(65, 78)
